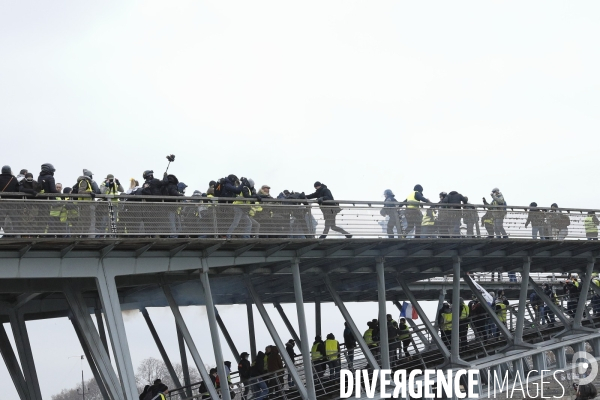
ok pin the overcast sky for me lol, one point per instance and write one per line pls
(362, 96)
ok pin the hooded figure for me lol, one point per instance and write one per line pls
(46, 179)
(29, 185)
(8, 182)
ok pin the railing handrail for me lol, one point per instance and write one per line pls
(12, 196)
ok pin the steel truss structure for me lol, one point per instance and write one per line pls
(83, 278)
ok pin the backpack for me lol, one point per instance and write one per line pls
(143, 394)
(219, 187)
(588, 391)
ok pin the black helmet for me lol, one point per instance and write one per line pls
(533, 204)
(443, 194)
(232, 178)
(148, 174)
(6, 169)
(388, 193)
(418, 188)
(48, 167)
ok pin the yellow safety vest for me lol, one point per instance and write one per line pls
(596, 281)
(447, 325)
(464, 313)
(368, 336)
(428, 220)
(502, 313)
(576, 283)
(404, 333)
(331, 349)
(55, 210)
(590, 227)
(88, 190)
(412, 200)
(315, 354)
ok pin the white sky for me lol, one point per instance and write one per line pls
(362, 96)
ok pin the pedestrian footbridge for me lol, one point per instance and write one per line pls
(50, 271)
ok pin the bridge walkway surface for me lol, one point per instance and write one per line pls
(131, 262)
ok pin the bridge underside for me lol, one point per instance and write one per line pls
(267, 263)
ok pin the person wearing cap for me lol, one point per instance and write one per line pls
(498, 212)
(21, 175)
(329, 208)
(111, 186)
(414, 218)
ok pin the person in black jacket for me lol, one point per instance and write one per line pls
(350, 343)
(329, 209)
(257, 383)
(289, 348)
(9, 215)
(452, 201)
(244, 371)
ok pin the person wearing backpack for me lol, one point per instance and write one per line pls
(86, 222)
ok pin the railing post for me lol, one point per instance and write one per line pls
(383, 332)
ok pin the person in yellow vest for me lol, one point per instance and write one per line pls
(595, 298)
(591, 226)
(404, 336)
(500, 309)
(445, 323)
(332, 352)
(414, 217)
(463, 324)
(368, 336)
(317, 355)
(428, 223)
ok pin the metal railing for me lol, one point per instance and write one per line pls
(482, 339)
(135, 216)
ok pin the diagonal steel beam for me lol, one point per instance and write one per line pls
(12, 365)
(288, 324)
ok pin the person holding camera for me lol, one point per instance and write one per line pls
(111, 186)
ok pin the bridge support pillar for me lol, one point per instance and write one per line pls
(585, 289)
(17, 323)
(184, 363)
(109, 297)
(288, 324)
(161, 348)
(522, 301)
(251, 333)
(214, 333)
(12, 365)
(561, 358)
(383, 332)
(101, 330)
(85, 328)
(286, 358)
(190, 342)
(359, 337)
(595, 343)
(539, 362)
(305, 347)
(318, 317)
(227, 336)
(90, 359)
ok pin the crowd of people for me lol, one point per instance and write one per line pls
(265, 375)
(249, 216)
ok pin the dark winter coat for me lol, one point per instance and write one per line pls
(170, 189)
(322, 193)
(274, 361)
(32, 187)
(244, 369)
(454, 198)
(290, 350)
(153, 187)
(47, 182)
(9, 183)
(258, 368)
(230, 190)
(349, 339)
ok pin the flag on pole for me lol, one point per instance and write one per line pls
(408, 311)
(488, 297)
